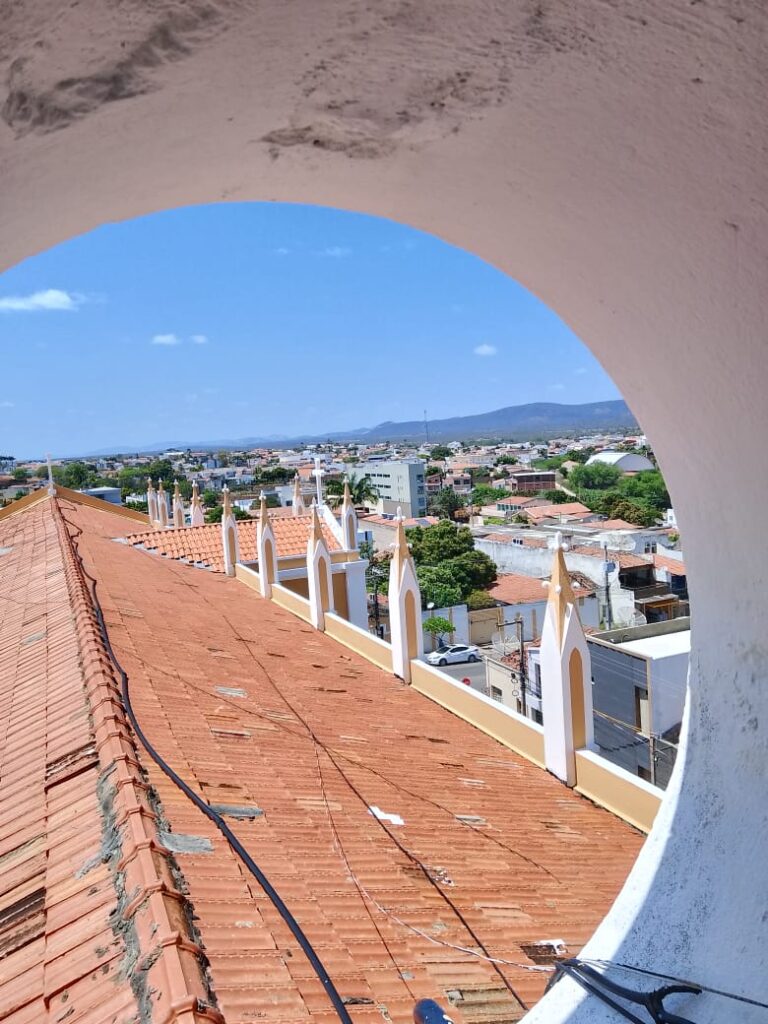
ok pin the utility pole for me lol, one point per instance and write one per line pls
(523, 670)
(608, 609)
(426, 426)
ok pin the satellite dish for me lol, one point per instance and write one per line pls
(503, 644)
(638, 619)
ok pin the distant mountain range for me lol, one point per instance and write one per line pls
(513, 423)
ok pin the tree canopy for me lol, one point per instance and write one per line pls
(361, 489)
(446, 503)
(440, 452)
(448, 567)
(597, 477)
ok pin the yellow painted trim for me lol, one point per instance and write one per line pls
(248, 577)
(631, 799)
(23, 503)
(510, 729)
(294, 603)
(359, 640)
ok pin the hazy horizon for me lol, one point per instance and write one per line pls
(257, 320)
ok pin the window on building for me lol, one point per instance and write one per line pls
(496, 694)
(537, 716)
(650, 547)
(642, 722)
(644, 773)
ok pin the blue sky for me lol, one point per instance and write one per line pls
(254, 319)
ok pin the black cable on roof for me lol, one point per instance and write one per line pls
(207, 810)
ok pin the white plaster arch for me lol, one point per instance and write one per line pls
(611, 156)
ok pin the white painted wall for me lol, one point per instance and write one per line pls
(458, 615)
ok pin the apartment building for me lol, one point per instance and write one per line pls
(400, 484)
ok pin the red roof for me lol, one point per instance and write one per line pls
(227, 686)
(515, 588)
(673, 565)
(203, 544)
(569, 508)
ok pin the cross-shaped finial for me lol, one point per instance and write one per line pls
(318, 473)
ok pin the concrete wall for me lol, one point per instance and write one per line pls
(458, 615)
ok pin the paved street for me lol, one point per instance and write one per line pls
(469, 670)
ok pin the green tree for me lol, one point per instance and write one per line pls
(632, 511)
(649, 487)
(20, 475)
(437, 586)
(361, 489)
(479, 568)
(437, 626)
(596, 477)
(210, 499)
(478, 599)
(159, 469)
(446, 503)
(431, 545)
(556, 497)
(74, 475)
(213, 515)
(484, 494)
(440, 452)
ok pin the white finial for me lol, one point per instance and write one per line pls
(318, 473)
(399, 512)
(51, 484)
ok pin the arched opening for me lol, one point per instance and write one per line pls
(269, 560)
(231, 545)
(627, 192)
(412, 625)
(323, 572)
(578, 711)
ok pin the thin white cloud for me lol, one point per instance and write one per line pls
(580, 371)
(336, 251)
(557, 387)
(51, 299)
(282, 251)
(199, 339)
(166, 339)
(485, 350)
(7, 405)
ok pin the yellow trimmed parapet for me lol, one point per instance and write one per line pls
(294, 603)
(625, 795)
(359, 640)
(248, 577)
(494, 719)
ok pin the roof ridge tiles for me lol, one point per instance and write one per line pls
(167, 958)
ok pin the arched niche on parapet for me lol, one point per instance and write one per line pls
(614, 165)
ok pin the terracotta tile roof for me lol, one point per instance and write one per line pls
(614, 524)
(76, 831)
(202, 544)
(225, 684)
(516, 588)
(570, 508)
(673, 565)
(625, 559)
(516, 538)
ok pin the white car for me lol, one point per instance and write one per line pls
(454, 654)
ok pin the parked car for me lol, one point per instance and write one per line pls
(453, 654)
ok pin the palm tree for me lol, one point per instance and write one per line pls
(361, 489)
